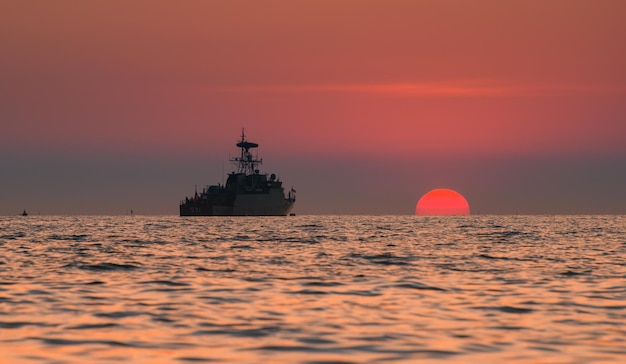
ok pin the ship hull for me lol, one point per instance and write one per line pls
(244, 205)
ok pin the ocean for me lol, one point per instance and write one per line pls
(313, 289)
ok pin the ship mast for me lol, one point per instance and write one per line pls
(246, 163)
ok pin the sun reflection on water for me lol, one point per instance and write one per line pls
(312, 289)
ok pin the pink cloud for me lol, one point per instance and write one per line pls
(443, 89)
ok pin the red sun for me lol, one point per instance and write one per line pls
(442, 202)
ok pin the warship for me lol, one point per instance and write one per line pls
(246, 192)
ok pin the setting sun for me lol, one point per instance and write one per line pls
(442, 202)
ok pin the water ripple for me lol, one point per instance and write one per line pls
(313, 289)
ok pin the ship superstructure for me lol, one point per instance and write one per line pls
(247, 192)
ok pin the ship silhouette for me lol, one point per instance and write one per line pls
(247, 191)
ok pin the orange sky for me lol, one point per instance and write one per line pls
(392, 79)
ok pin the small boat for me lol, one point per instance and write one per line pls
(24, 213)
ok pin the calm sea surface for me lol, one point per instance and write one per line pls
(313, 289)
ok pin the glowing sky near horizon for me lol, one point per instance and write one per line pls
(413, 90)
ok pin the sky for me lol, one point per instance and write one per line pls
(361, 106)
